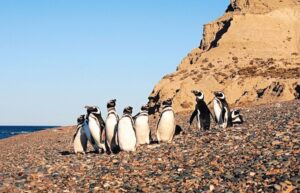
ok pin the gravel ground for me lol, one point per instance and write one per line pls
(261, 155)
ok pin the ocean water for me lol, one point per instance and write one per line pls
(8, 131)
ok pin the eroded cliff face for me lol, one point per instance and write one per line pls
(260, 6)
(252, 54)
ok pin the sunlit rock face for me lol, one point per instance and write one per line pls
(251, 53)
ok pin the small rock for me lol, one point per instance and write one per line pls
(97, 188)
(179, 169)
(277, 187)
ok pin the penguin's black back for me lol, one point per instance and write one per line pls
(204, 114)
(225, 105)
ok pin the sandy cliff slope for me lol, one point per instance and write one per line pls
(252, 53)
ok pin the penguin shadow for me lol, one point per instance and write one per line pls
(114, 151)
(152, 142)
(66, 153)
(178, 130)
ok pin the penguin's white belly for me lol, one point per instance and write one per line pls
(142, 130)
(80, 141)
(126, 135)
(166, 127)
(217, 110)
(95, 131)
(111, 123)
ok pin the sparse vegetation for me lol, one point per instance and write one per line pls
(205, 60)
(183, 71)
(235, 59)
(210, 65)
(186, 104)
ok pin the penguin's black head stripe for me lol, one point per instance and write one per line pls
(127, 110)
(219, 95)
(199, 95)
(80, 119)
(167, 102)
(145, 108)
(93, 110)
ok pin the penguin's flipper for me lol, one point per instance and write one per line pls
(213, 116)
(132, 122)
(226, 118)
(193, 116)
(78, 127)
(135, 116)
(117, 139)
(93, 141)
(223, 113)
(102, 135)
(102, 123)
(158, 121)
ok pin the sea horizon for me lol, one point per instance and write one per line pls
(7, 131)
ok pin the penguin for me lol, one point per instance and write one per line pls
(221, 110)
(126, 131)
(166, 125)
(201, 111)
(111, 124)
(88, 133)
(94, 127)
(141, 124)
(236, 117)
(79, 138)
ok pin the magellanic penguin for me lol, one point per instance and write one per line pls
(221, 110)
(79, 138)
(126, 131)
(111, 125)
(166, 125)
(202, 112)
(141, 124)
(236, 117)
(94, 127)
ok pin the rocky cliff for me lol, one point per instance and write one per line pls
(251, 53)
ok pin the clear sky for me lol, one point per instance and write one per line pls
(57, 56)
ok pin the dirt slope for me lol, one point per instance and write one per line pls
(252, 53)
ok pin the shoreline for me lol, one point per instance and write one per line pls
(7, 131)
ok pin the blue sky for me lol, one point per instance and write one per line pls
(57, 56)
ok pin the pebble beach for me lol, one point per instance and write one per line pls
(261, 155)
